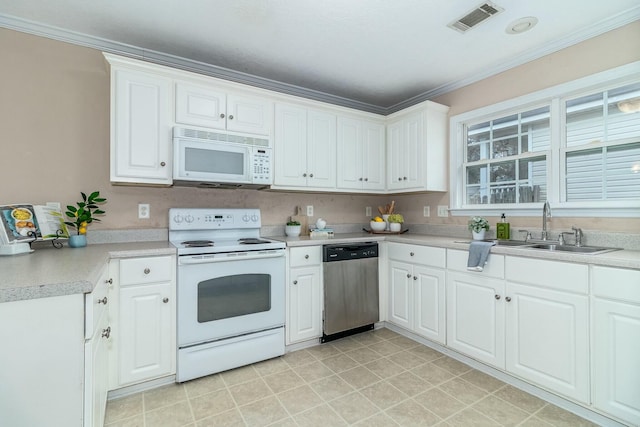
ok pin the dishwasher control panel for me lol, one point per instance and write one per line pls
(349, 251)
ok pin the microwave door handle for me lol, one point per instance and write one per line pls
(186, 260)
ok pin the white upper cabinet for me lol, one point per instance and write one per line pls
(416, 149)
(211, 107)
(360, 154)
(305, 147)
(140, 127)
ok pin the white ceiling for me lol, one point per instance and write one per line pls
(378, 55)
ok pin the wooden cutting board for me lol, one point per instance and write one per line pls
(302, 219)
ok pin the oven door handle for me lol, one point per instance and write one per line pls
(204, 259)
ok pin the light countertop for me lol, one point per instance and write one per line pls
(49, 272)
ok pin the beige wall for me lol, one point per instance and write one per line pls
(54, 106)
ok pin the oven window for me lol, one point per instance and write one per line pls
(232, 296)
(213, 161)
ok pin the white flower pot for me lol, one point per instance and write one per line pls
(478, 235)
(292, 230)
(395, 226)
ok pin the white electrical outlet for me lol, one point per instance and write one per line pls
(443, 211)
(367, 211)
(426, 211)
(143, 211)
(310, 210)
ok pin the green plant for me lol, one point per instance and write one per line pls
(396, 218)
(293, 223)
(478, 223)
(83, 215)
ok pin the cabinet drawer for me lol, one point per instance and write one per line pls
(563, 276)
(417, 254)
(308, 255)
(96, 303)
(616, 283)
(457, 260)
(145, 270)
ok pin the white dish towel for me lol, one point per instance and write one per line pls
(478, 255)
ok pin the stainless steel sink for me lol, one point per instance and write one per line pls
(592, 250)
(501, 242)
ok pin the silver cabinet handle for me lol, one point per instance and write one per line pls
(408, 275)
(222, 115)
(360, 179)
(411, 254)
(109, 281)
(508, 299)
(304, 175)
(306, 257)
(230, 116)
(497, 296)
(106, 332)
(147, 271)
(103, 301)
(311, 176)
(415, 277)
(163, 164)
(400, 179)
(404, 178)
(366, 179)
(295, 282)
(165, 300)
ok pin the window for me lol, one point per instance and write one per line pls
(576, 145)
(506, 159)
(603, 145)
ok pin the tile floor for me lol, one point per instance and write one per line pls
(378, 378)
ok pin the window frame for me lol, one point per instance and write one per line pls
(554, 97)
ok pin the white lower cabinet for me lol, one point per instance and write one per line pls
(615, 342)
(417, 289)
(534, 324)
(146, 331)
(304, 294)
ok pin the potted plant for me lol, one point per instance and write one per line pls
(292, 229)
(395, 222)
(478, 226)
(82, 216)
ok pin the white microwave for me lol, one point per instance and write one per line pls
(221, 160)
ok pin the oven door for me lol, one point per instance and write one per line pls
(220, 298)
(211, 161)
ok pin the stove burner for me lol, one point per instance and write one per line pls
(197, 243)
(251, 241)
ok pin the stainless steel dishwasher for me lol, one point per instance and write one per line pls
(350, 289)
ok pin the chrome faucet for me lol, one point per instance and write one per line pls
(546, 213)
(578, 235)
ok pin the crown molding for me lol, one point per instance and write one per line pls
(105, 45)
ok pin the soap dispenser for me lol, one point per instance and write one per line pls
(503, 229)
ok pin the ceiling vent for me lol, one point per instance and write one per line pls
(476, 16)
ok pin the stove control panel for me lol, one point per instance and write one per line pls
(210, 219)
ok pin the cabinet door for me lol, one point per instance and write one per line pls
(97, 374)
(147, 333)
(395, 137)
(290, 162)
(475, 317)
(321, 152)
(141, 128)
(412, 152)
(200, 106)
(616, 352)
(373, 160)
(249, 114)
(429, 303)
(548, 339)
(350, 152)
(400, 294)
(304, 304)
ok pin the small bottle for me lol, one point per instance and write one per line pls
(503, 229)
